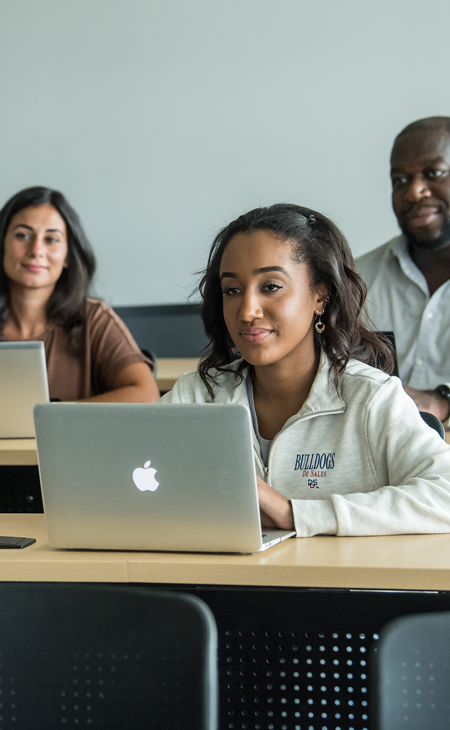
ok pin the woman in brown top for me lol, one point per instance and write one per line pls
(47, 268)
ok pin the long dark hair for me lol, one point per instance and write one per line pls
(66, 304)
(317, 242)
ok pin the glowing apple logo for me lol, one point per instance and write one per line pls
(144, 478)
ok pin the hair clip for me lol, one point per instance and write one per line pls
(312, 219)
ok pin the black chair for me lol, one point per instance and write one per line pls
(433, 422)
(169, 330)
(411, 674)
(152, 356)
(85, 656)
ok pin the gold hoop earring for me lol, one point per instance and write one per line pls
(319, 325)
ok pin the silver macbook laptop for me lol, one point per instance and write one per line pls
(149, 477)
(23, 383)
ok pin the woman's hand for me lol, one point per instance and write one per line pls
(276, 510)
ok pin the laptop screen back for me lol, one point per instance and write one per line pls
(148, 477)
(23, 383)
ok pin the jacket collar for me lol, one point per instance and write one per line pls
(323, 397)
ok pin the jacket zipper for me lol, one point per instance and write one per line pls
(265, 469)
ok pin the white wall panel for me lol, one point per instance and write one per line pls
(163, 120)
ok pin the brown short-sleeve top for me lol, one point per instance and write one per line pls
(106, 348)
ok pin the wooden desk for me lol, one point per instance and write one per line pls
(399, 562)
(169, 369)
(18, 452)
(295, 623)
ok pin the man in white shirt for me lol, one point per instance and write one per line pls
(408, 278)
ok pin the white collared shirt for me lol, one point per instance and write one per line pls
(398, 300)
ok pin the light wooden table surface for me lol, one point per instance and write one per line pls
(169, 369)
(18, 452)
(400, 562)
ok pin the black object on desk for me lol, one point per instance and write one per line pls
(11, 543)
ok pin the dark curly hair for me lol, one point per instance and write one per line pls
(317, 242)
(67, 301)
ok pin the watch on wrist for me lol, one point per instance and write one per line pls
(444, 391)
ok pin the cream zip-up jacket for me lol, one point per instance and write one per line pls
(354, 461)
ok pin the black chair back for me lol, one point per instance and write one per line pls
(170, 330)
(411, 674)
(433, 422)
(85, 656)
